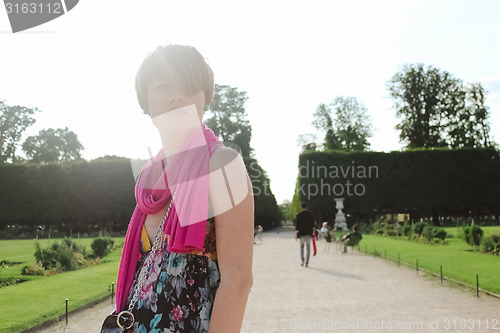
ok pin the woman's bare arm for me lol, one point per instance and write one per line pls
(231, 197)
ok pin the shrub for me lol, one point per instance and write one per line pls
(428, 233)
(65, 258)
(3, 264)
(101, 246)
(367, 227)
(419, 227)
(33, 269)
(406, 229)
(473, 234)
(391, 233)
(439, 233)
(47, 257)
(79, 260)
(491, 244)
(414, 237)
(94, 262)
(377, 224)
(60, 257)
(383, 228)
(4, 282)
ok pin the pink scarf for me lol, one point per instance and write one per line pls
(186, 175)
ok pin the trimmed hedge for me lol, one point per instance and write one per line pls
(79, 196)
(85, 197)
(420, 182)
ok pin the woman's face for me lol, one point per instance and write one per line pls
(164, 98)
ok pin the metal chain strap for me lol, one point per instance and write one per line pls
(149, 260)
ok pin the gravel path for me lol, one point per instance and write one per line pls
(339, 292)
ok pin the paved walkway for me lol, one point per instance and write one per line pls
(340, 293)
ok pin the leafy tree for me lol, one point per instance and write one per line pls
(307, 142)
(229, 121)
(267, 212)
(346, 124)
(285, 210)
(228, 117)
(13, 122)
(323, 120)
(112, 158)
(71, 147)
(296, 205)
(437, 110)
(470, 127)
(53, 145)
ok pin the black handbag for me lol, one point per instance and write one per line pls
(118, 324)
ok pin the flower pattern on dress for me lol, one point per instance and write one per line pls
(205, 314)
(179, 291)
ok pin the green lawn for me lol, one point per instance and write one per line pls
(457, 258)
(43, 298)
(487, 230)
(22, 250)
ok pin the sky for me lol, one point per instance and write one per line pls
(289, 56)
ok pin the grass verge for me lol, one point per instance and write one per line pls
(458, 260)
(44, 298)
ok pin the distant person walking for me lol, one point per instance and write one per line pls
(305, 230)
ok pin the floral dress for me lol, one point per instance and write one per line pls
(180, 289)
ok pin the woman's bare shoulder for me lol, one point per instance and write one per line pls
(223, 156)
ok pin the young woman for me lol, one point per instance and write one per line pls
(187, 260)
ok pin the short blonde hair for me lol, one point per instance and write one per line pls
(181, 66)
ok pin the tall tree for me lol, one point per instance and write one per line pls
(53, 145)
(228, 118)
(345, 123)
(306, 142)
(13, 122)
(470, 127)
(323, 120)
(285, 210)
(266, 212)
(437, 110)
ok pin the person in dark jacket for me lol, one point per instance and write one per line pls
(351, 239)
(305, 229)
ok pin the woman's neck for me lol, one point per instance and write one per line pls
(171, 143)
(177, 126)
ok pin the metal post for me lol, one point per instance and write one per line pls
(112, 292)
(66, 312)
(399, 260)
(477, 285)
(441, 272)
(417, 266)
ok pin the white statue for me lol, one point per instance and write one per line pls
(340, 221)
